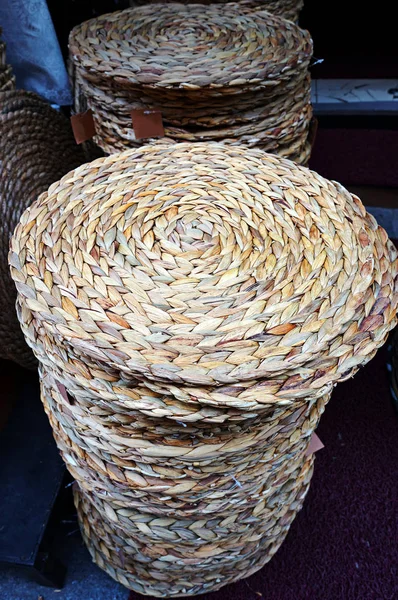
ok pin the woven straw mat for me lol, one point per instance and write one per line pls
(218, 75)
(207, 265)
(288, 9)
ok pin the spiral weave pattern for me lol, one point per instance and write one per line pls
(218, 75)
(198, 302)
(288, 9)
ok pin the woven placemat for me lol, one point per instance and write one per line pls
(192, 306)
(296, 273)
(216, 75)
(288, 9)
(161, 570)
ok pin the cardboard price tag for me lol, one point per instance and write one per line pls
(314, 445)
(64, 393)
(147, 123)
(83, 126)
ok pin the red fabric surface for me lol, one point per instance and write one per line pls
(357, 156)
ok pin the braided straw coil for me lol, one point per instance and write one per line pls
(155, 457)
(7, 79)
(159, 571)
(241, 51)
(217, 532)
(288, 9)
(207, 265)
(198, 301)
(36, 149)
(215, 75)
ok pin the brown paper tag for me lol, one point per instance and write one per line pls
(64, 393)
(314, 445)
(147, 123)
(83, 126)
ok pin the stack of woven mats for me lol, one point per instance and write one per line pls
(192, 307)
(288, 9)
(36, 149)
(214, 74)
(7, 79)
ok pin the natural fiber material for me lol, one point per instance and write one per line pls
(218, 533)
(288, 9)
(144, 453)
(7, 79)
(219, 75)
(198, 302)
(157, 570)
(267, 276)
(36, 149)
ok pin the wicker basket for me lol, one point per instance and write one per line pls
(246, 83)
(36, 148)
(198, 302)
(7, 79)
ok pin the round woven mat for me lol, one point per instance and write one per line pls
(288, 9)
(148, 453)
(36, 149)
(167, 568)
(215, 75)
(175, 46)
(205, 264)
(192, 306)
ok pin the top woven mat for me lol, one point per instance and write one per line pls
(288, 9)
(207, 264)
(178, 46)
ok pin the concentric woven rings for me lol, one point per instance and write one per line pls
(207, 265)
(141, 570)
(288, 9)
(217, 48)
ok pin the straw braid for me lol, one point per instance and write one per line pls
(149, 570)
(219, 75)
(199, 302)
(222, 47)
(288, 9)
(36, 149)
(217, 265)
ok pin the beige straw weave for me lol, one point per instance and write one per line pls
(224, 528)
(288, 9)
(198, 302)
(165, 453)
(215, 75)
(207, 265)
(156, 570)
